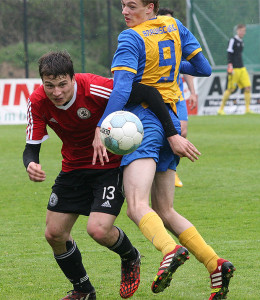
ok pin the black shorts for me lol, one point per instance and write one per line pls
(84, 191)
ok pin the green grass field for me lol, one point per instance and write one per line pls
(221, 196)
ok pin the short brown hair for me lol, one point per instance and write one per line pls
(155, 2)
(241, 26)
(56, 63)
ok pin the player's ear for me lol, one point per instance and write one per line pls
(150, 8)
(73, 79)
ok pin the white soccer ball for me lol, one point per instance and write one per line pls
(121, 132)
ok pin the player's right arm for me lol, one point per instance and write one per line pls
(31, 162)
(193, 99)
(36, 133)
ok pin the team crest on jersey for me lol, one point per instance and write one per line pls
(53, 200)
(83, 113)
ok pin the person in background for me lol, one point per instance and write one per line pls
(181, 105)
(237, 72)
(150, 52)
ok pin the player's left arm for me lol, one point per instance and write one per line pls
(198, 66)
(193, 62)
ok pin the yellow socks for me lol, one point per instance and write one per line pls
(247, 95)
(226, 95)
(153, 229)
(193, 241)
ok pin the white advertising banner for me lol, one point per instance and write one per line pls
(210, 91)
(13, 99)
(15, 92)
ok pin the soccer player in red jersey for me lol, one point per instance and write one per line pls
(71, 104)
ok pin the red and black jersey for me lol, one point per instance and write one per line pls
(235, 49)
(74, 123)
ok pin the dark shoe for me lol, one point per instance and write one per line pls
(80, 296)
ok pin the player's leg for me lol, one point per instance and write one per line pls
(67, 254)
(139, 171)
(69, 195)
(231, 84)
(101, 229)
(162, 204)
(225, 98)
(247, 94)
(138, 177)
(245, 83)
(107, 203)
(188, 236)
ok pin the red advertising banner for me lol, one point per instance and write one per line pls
(14, 95)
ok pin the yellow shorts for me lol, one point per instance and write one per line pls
(240, 78)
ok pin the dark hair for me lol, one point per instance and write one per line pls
(165, 11)
(155, 2)
(56, 63)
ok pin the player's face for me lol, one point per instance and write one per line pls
(135, 12)
(241, 32)
(60, 89)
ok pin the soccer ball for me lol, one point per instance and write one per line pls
(121, 132)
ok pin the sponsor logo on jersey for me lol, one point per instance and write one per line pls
(106, 204)
(53, 200)
(83, 113)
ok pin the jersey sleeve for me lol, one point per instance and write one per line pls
(190, 45)
(230, 48)
(98, 87)
(36, 131)
(230, 51)
(126, 55)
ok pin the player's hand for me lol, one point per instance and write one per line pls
(183, 147)
(35, 172)
(193, 101)
(100, 150)
(230, 68)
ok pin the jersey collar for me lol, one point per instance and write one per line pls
(238, 38)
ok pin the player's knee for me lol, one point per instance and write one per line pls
(136, 209)
(55, 236)
(98, 232)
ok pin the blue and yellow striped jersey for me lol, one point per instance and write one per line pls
(153, 51)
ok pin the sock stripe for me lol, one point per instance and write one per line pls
(68, 253)
(120, 239)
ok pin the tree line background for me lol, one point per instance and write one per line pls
(57, 25)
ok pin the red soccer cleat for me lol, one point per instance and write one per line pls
(220, 279)
(169, 265)
(130, 277)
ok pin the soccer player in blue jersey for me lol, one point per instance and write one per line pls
(150, 52)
